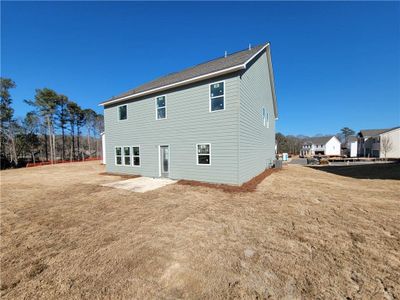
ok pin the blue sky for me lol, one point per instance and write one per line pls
(336, 64)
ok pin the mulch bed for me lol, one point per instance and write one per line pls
(249, 186)
(123, 176)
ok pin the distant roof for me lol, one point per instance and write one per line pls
(352, 138)
(372, 132)
(319, 140)
(394, 128)
(219, 66)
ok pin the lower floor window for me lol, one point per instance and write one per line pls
(136, 156)
(203, 154)
(127, 156)
(118, 156)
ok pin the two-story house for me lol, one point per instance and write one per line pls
(389, 143)
(351, 146)
(214, 122)
(323, 145)
(370, 142)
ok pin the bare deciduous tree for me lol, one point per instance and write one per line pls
(386, 146)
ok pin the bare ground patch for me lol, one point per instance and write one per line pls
(301, 233)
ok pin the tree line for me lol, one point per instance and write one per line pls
(57, 129)
(288, 143)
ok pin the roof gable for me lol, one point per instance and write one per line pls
(391, 129)
(222, 65)
(372, 132)
(198, 70)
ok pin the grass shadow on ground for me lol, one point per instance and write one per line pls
(370, 171)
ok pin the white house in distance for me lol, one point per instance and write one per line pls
(389, 142)
(352, 146)
(324, 145)
(103, 147)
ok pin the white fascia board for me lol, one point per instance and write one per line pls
(180, 83)
(258, 52)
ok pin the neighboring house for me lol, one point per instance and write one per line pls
(352, 146)
(369, 142)
(390, 143)
(103, 147)
(349, 147)
(324, 145)
(214, 122)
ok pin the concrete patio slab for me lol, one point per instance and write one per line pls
(140, 184)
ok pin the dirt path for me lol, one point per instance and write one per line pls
(303, 233)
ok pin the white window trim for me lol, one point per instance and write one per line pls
(155, 100)
(264, 115)
(115, 156)
(119, 119)
(132, 156)
(267, 116)
(197, 154)
(209, 96)
(123, 156)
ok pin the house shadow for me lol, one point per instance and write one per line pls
(366, 171)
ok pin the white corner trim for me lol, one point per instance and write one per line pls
(272, 80)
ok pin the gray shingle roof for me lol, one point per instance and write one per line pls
(211, 66)
(397, 127)
(319, 140)
(352, 138)
(372, 132)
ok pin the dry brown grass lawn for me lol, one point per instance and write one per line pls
(303, 233)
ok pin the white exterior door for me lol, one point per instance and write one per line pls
(164, 161)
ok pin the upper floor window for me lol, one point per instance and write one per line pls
(265, 116)
(122, 112)
(161, 104)
(217, 96)
(203, 154)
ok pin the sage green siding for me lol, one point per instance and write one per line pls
(188, 123)
(241, 146)
(256, 141)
